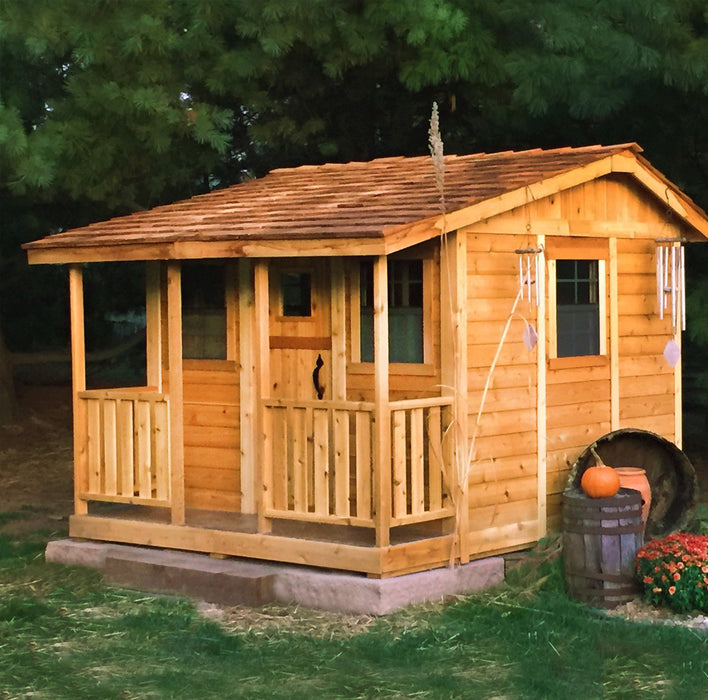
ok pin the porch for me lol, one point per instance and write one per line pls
(327, 500)
(232, 453)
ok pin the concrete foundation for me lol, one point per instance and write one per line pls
(247, 582)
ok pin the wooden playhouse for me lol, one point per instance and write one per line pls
(341, 375)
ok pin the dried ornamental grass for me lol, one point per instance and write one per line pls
(674, 572)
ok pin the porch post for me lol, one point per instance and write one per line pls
(78, 381)
(382, 421)
(263, 446)
(176, 388)
(248, 409)
(339, 323)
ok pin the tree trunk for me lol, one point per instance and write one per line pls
(7, 386)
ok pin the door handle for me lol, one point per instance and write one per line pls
(316, 377)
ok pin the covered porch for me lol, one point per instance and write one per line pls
(354, 480)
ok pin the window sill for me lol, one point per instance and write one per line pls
(404, 368)
(579, 361)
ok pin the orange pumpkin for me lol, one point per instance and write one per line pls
(600, 481)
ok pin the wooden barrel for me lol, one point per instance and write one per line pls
(601, 537)
(672, 478)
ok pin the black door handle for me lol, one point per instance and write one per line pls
(316, 377)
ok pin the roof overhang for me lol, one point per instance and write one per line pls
(372, 240)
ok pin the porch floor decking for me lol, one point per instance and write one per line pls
(248, 524)
(412, 547)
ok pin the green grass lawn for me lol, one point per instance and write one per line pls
(64, 634)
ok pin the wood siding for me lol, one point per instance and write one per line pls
(632, 386)
(502, 472)
(211, 435)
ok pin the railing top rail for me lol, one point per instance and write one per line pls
(322, 404)
(428, 402)
(137, 394)
(405, 404)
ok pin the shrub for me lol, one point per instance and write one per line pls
(674, 572)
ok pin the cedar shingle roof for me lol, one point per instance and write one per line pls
(355, 206)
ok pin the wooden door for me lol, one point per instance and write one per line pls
(300, 330)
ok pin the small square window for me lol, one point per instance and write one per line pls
(577, 308)
(296, 292)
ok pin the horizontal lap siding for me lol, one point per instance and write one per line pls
(579, 400)
(578, 403)
(646, 381)
(578, 413)
(502, 480)
(211, 437)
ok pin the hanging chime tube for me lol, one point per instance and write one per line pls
(528, 278)
(660, 279)
(682, 281)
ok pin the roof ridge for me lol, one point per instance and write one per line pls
(629, 145)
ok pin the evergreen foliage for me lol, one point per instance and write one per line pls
(107, 106)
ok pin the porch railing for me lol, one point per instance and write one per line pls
(128, 446)
(420, 460)
(319, 461)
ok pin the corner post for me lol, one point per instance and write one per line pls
(453, 314)
(382, 421)
(541, 395)
(78, 381)
(174, 354)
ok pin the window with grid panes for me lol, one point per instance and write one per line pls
(577, 308)
(405, 311)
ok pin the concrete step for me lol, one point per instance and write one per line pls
(211, 580)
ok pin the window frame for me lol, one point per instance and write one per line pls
(421, 368)
(581, 249)
(230, 285)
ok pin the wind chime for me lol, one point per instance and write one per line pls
(530, 261)
(530, 271)
(671, 290)
(670, 281)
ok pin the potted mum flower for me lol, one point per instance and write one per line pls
(674, 572)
